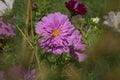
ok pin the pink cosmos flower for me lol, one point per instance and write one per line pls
(55, 29)
(17, 73)
(76, 47)
(6, 29)
(2, 77)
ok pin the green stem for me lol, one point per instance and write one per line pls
(71, 17)
(25, 36)
(32, 30)
(88, 29)
(36, 56)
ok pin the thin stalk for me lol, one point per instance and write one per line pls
(36, 56)
(32, 30)
(25, 37)
(88, 29)
(31, 58)
(70, 17)
(1, 45)
(27, 16)
(26, 22)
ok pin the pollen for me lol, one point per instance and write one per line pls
(55, 33)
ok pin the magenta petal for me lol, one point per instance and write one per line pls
(6, 29)
(81, 57)
(2, 77)
(76, 46)
(58, 51)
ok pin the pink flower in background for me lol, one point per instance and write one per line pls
(6, 29)
(17, 73)
(75, 7)
(106, 20)
(2, 77)
(55, 29)
(76, 47)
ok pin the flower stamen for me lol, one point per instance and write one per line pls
(55, 33)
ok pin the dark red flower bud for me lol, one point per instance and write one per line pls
(35, 6)
(76, 7)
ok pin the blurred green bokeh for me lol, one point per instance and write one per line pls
(111, 5)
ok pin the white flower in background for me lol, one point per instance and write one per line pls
(95, 20)
(5, 5)
(113, 20)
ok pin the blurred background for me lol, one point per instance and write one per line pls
(102, 43)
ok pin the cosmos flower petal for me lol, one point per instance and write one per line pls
(118, 14)
(112, 16)
(113, 20)
(74, 38)
(2, 7)
(58, 51)
(81, 57)
(9, 3)
(6, 29)
(76, 46)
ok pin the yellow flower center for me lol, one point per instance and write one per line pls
(56, 33)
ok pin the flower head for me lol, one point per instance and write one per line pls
(113, 20)
(35, 6)
(2, 77)
(15, 72)
(75, 7)
(6, 30)
(76, 46)
(55, 29)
